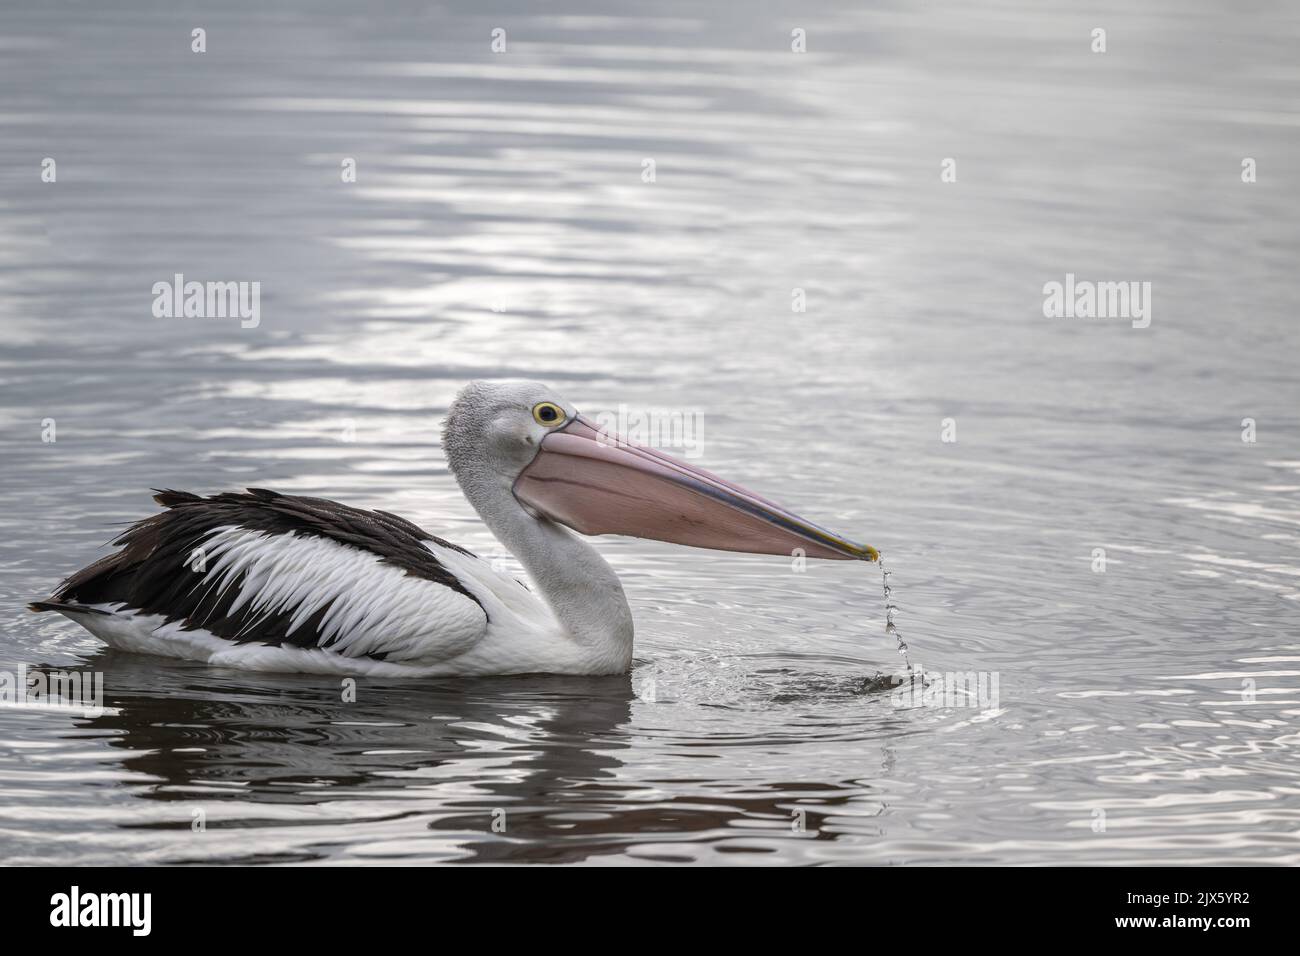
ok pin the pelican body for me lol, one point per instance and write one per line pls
(274, 582)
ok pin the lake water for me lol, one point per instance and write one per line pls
(500, 224)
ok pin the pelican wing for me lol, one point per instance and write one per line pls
(259, 567)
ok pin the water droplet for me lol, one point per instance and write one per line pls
(891, 629)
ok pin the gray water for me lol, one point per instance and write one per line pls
(500, 226)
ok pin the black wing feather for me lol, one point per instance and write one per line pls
(152, 571)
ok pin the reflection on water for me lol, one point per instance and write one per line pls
(1099, 536)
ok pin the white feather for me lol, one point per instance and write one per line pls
(420, 626)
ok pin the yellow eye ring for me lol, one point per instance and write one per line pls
(548, 414)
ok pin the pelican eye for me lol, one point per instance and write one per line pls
(548, 413)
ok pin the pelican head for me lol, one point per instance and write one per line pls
(563, 467)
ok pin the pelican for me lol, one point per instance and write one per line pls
(273, 582)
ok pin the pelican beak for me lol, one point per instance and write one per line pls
(596, 482)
